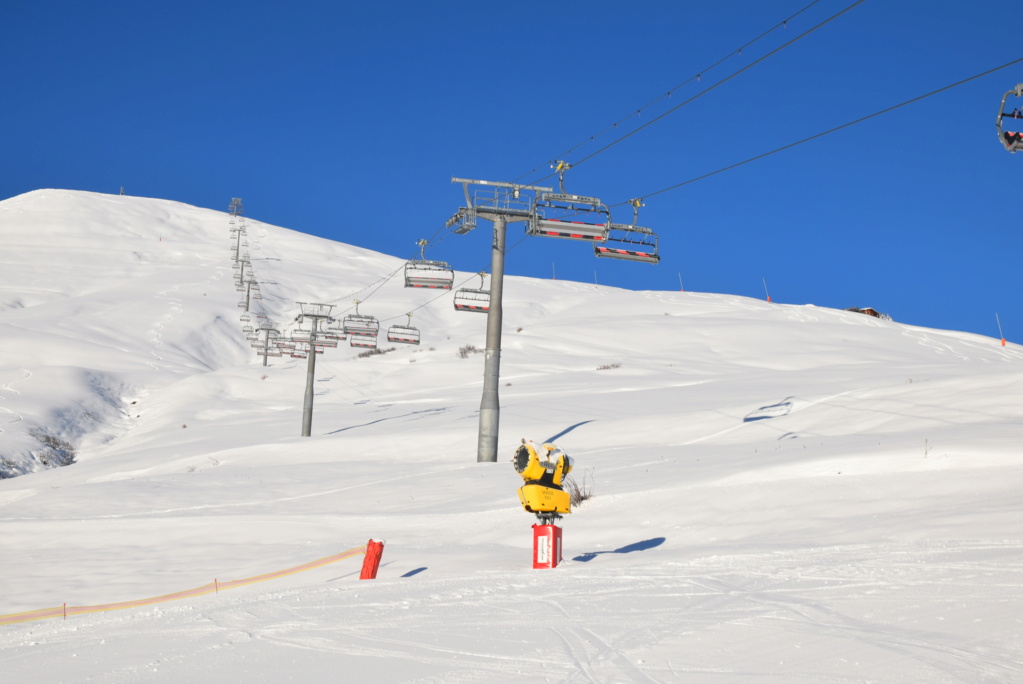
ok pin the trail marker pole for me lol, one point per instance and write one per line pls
(1000, 333)
(765, 290)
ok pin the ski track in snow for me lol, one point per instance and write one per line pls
(9, 387)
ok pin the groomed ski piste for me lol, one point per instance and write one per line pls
(779, 493)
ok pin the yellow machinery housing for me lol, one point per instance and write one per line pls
(543, 468)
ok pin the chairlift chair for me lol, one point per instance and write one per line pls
(1012, 140)
(572, 217)
(245, 318)
(360, 325)
(356, 325)
(335, 333)
(422, 272)
(365, 341)
(471, 299)
(404, 334)
(633, 243)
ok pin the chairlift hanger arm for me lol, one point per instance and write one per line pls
(498, 184)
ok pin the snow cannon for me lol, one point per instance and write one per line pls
(543, 468)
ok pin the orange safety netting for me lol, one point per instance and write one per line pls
(213, 587)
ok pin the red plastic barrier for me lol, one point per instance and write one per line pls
(374, 550)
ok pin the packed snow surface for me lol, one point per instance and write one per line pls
(779, 493)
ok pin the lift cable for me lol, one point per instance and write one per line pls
(384, 280)
(707, 90)
(827, 132)
(456, 286)
(669, 93)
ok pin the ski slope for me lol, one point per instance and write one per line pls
(780, 493)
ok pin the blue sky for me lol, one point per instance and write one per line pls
(348, 120)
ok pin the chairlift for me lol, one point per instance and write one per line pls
(245, 318)
(357, 325)
(424, 273)
(335, 333)
(470, 299)
(366, 341)
(1012, 140)
(630, 242)
(573, 217)
(405, 334)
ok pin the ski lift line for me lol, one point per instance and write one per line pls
(828, 132)
(719, 83)
(696, 77)
(382, 281)
(444, 293)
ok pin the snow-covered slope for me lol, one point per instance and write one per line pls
(780, 492)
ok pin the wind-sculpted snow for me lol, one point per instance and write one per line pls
(780, 493)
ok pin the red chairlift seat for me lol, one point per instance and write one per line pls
(422, 272)
(429, 274)
(633, 243)
(365, 341)
(572, 217)
(356, 324)
(473, 299)
(404, 334)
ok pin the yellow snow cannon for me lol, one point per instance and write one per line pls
(543, 468)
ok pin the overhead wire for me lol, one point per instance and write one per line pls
(382, 281)
(707, 90)
(827, 132)
(697, 76)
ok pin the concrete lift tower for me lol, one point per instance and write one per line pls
(314, 313)
(501, 204)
